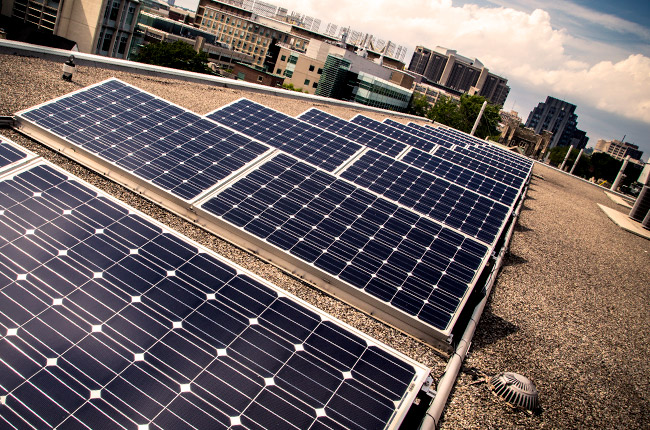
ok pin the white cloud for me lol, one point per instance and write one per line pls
(523, 47)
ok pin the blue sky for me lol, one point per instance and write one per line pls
(595, 54)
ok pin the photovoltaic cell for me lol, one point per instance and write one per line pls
(493, 187)
(399, 135)
(298, 138)
(392, 254)
(108, 320)
(8, 153)
(439, 199)
(354, 132)
(498, 171)
(164, 144)
(389, 123)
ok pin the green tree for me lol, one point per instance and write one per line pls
(462, 115)
(557, 154)
(177, 55)
(419, 105)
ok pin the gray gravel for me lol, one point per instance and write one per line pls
(569, 309)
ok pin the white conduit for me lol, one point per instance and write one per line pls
(448, 379)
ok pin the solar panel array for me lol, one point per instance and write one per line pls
(391, 253)
(444, 169)
(110, 320)
(502, 172)
(151, 138)
(397, 134)
(408, 241)
(316, 146)
(9, 154)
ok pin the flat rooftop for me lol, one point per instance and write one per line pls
(570, 309)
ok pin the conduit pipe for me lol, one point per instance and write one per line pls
(446, 383)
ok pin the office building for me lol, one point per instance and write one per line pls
(446, 69)
(98, 27)
(558, 117)
(618, 149)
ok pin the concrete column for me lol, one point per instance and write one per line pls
(575, 163)
(619, 177)
(566, 157)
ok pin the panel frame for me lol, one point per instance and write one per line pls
(421, 371)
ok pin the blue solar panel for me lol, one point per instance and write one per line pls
(419, 267)
(438, 167)
(354, 132)
(154, 140)
(298, 138)
(108, 320)
(399, 135)
(441, 200)
(8, 153)
(474, 146)
(493, 187)
(389, 124)
(510, 175)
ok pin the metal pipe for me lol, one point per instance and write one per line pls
(619, 177)
(478, 118)
(566, 157)
(446, 383)
(575, 163)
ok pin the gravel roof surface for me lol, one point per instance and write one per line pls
(570, 309)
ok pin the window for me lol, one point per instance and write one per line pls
(306, 81)
(311, 67)
(278, 72)
(122, 47)
(288, 73)
(114, 10)
(260, 78)
(315, 85)
(293, 59)
(107, 41)
(241, 75)
(320, 71)
(283, 58)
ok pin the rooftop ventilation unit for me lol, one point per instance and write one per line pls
(516, 390)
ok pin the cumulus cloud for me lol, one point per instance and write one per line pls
(521, 46)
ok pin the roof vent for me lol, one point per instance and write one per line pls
(517, 391)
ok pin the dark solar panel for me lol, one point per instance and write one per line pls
(147, 136)
(8, 153)
(298, 138)
(501, 172)
(443, 169)
(493, 186)
(389, 124)
(437, 198)
(108, 320)
(354, 132)
(399, 135)
(391, 253)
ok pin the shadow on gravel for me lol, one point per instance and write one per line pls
(513, 260)
(491, 329)
(530, 198)
(522, 228)
(525, 208)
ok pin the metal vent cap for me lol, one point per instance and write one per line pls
(516, 390)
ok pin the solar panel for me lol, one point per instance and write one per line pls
(150, 138)
(477, 145)
(499, 171)
(389, 124)
(110, 320)
(11, 154)
(412, 265)
(399, 135)
(493, 183)
(443, 169)
(304, 141)
(439, 199)
(354, 132)
(443, 152)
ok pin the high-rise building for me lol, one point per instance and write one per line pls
(449, 70)
(103, 27)
(618, 149)
(558, 117)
